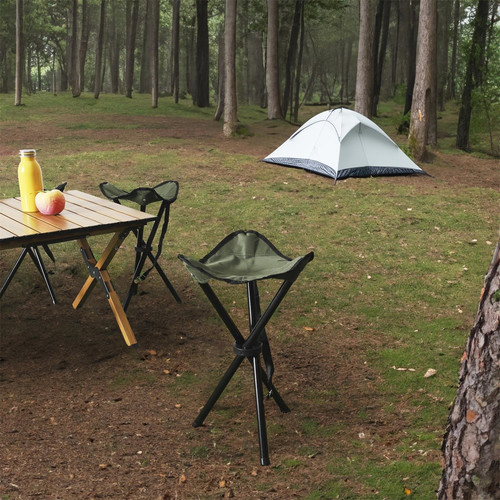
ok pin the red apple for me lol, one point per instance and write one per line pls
(50, 202)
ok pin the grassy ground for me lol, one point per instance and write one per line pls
(392, 292)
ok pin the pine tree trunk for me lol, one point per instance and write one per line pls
(364, 74)
(75, 65)
(230, 99)
(423, 121)
(471, 444)
(201, 97)
(155, 25)
(132, 16)
(99, 49)
(19, 53)
(473, 77)
(176, 5)
(272, 65)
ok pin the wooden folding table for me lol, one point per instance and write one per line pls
(84, 215)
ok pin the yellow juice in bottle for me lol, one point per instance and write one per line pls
(30, 179)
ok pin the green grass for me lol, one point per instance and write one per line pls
(398, 269)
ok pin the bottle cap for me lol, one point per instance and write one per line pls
(27, 152)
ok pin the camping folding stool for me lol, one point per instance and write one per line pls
(245, 257)
(36, 257)
(166, 193)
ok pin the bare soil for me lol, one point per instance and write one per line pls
(84, 416)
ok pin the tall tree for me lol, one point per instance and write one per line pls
(451, 83)
(298, 69)
(155, 25)
(364, 74)
(291, 58)
(99, 50)
(471, 445)
(230, 99)
(113, 38)
(75, 65)
(272, 62)
(84, 40)
(176, 7)
(474, 74)
(381, 35)
(423, 119)
(19, 53)
(201, 96)
(145, 77)
(410, 15)
(131, 33)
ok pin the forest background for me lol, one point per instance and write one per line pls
(177, 48)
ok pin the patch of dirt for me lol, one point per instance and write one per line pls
(84, 416)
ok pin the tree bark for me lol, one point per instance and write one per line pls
(423, 119)
(201, 96)
(471, 445)
(130, 47)
(114, 49)
(176, 5)
(84, 39)
(230, 99)
(298, 70)
(98, 56)
(474, 73)
(451, 89)
(272, 63)
(408, 11)
(145, 78)
(291, 59)
(75, 65)
(19, 53)
(155, 25)
(364, 74)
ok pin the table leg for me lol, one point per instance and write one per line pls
(98, 273)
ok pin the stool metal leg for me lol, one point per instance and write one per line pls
(240, 340)
(259, 406)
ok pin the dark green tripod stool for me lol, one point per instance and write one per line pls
(165, 193)
(245, 257)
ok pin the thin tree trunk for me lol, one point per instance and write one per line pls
(364, 75)
(379, 56)
(201, 96)
(291, 57)
(155, 25)
(84, 39)
(272, 63)
(19, 53)
(230, 99)
(299, 66)
(412, 22)
(145, 78)
(99, 49)
(451, 90)
(175, 48)
(474, 76)
(220, 83)
(471, 445)
(75, 65)
(444, 20)
(130, 47)
(423, 110)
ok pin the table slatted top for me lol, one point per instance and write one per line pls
(84, 215)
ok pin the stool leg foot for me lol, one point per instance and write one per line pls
(261, 417)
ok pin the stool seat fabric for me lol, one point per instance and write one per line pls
(165, 191)
(242, 257)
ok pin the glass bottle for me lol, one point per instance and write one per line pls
(30, 179)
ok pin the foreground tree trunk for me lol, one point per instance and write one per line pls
(230, 99)
(272, 64)
(423, 119)
(471, 444)
(19, 53)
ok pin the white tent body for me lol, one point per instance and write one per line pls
(342, 143)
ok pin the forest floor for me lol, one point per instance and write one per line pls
(84, 416)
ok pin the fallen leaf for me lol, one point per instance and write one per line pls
(308, 328)
(407, 491)
(182, 479)
(222, 483)
(430, 373)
